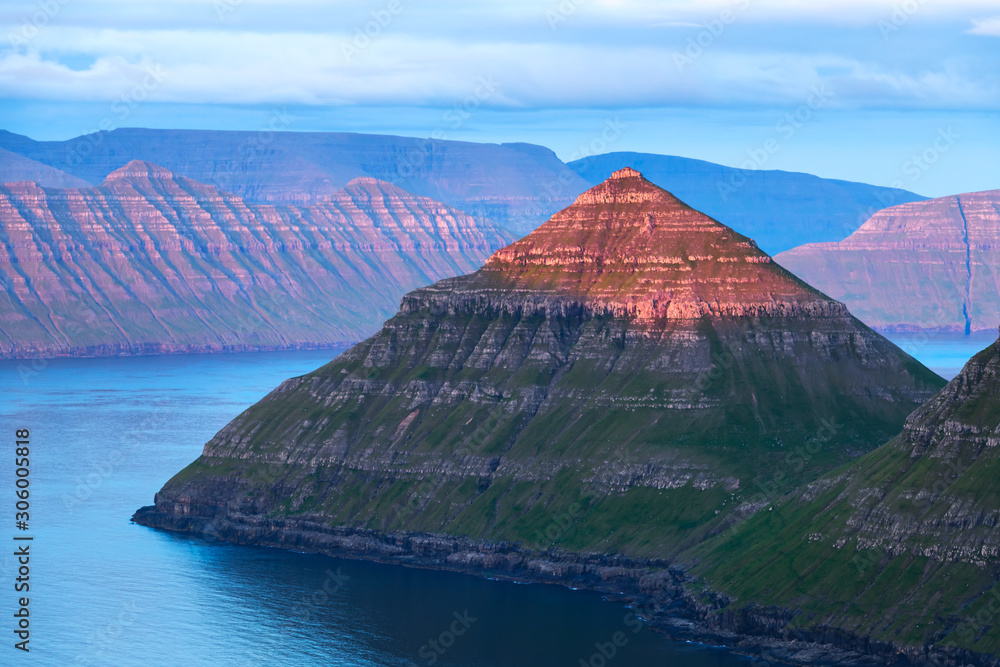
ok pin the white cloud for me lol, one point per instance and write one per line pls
(434, 52)
(396, 69)
(989, 26)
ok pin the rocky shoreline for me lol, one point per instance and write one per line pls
(661, 592)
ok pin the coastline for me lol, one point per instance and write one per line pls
(658, 589)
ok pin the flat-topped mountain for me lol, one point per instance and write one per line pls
(901, 547)
(632, 364)
(778, 209)
(152, 262)
(930, 266)
(515, 184)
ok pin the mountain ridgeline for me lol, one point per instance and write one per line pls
(778, 209)
(151, 262)
(626, 381)
(517, 185)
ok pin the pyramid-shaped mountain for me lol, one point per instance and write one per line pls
(630, 249)
(901, 547)
(632, 364)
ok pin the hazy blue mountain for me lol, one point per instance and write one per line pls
(516, 184)
(778, 209)
(15, 167)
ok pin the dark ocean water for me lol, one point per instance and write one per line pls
(107, 433)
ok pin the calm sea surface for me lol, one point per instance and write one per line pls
(945, 354)
(107, 433)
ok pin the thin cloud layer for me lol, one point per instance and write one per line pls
(716, 64)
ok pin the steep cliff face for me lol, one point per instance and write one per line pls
(930, 266)
(902, 545)
(778, 209)
(151, 262)
(518, 185)
(629, 377)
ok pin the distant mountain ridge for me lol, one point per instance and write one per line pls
(516, 184)
(15, 167)
(151, 262)
(924, 266)
(777, 209)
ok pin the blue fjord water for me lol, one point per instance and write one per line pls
(107, 433)
(945, 354)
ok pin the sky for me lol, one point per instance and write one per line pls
(902, 93)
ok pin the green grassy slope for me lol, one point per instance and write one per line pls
(901, 545)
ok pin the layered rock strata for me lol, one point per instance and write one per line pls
(516, 184)
(150, 262)
(922, 266)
